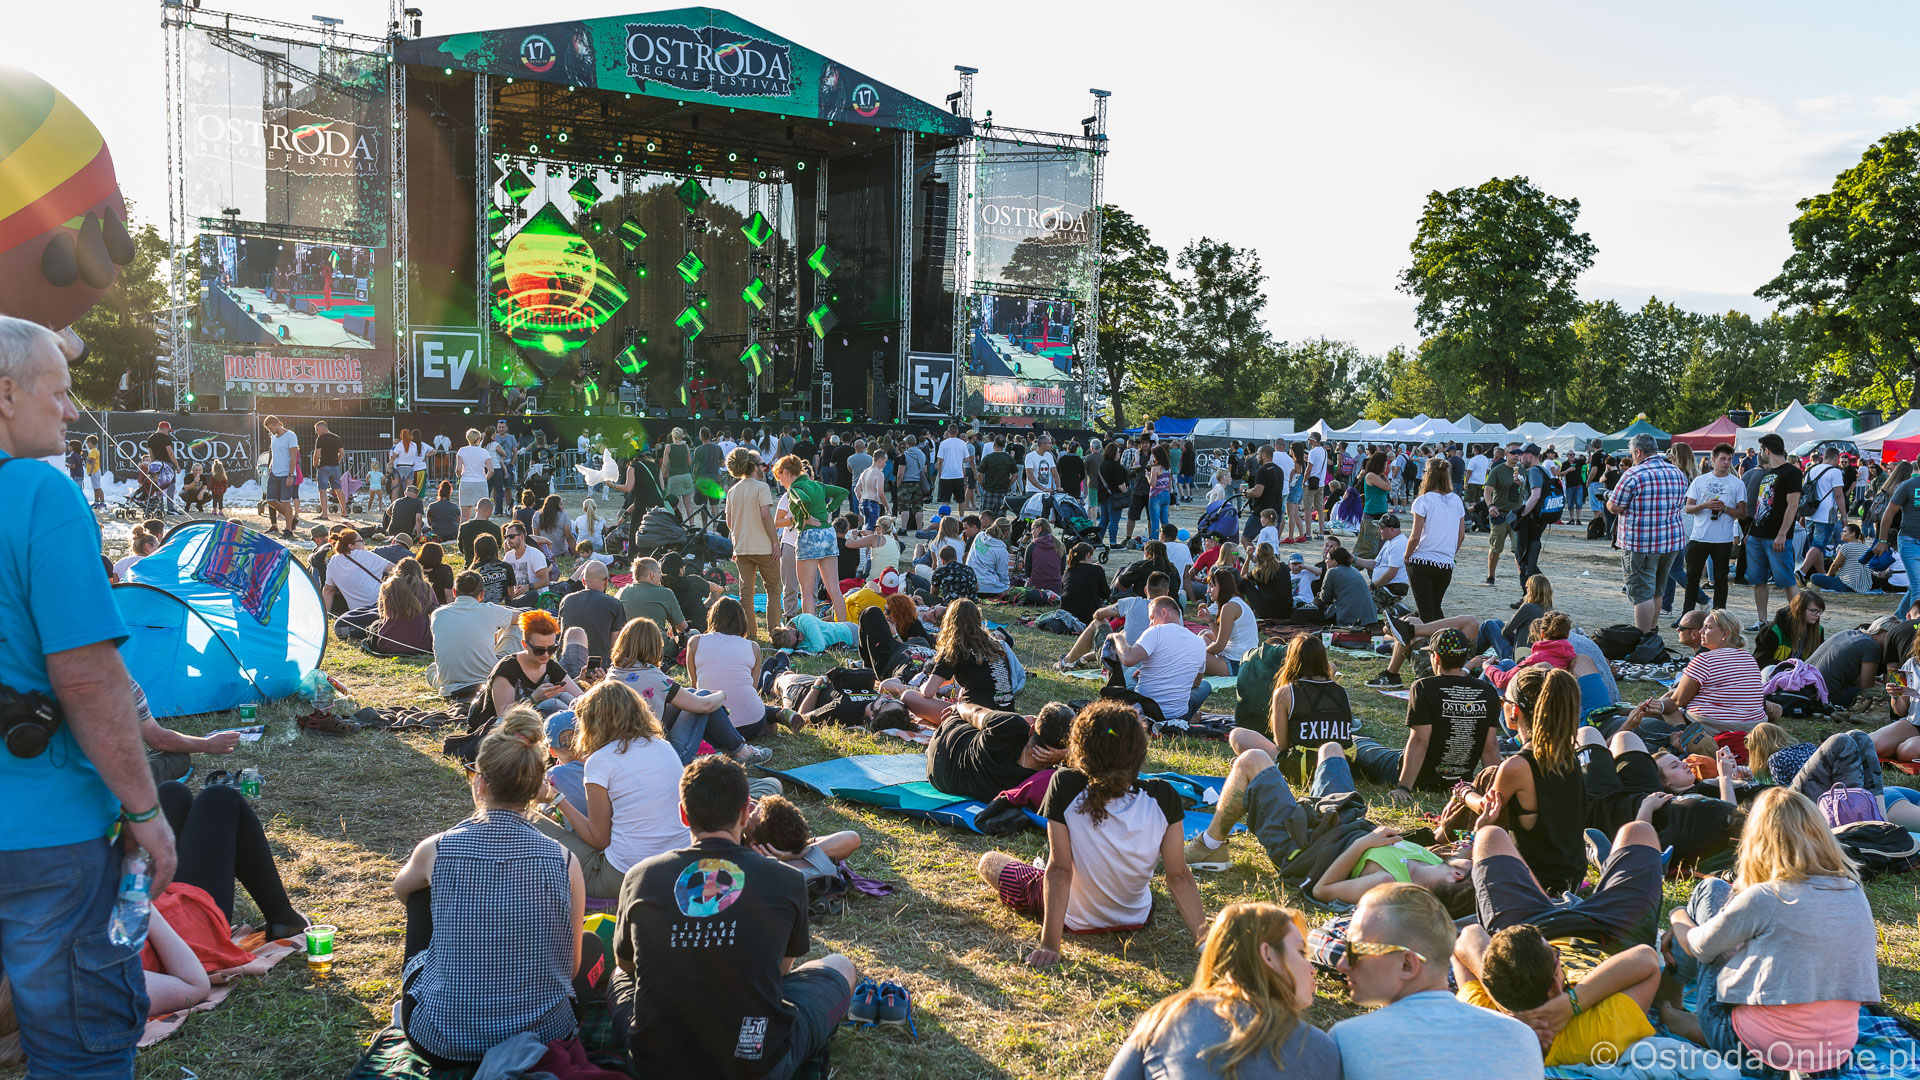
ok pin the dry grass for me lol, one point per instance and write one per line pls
(343, 814)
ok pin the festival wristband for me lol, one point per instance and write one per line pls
(149, 815)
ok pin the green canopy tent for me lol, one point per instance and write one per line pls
(1619, 439)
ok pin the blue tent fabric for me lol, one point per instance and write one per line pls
(1167, 426)
(194, 647)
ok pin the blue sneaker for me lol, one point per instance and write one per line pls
(865, 1008)
(1599, 846)
(896, 1006)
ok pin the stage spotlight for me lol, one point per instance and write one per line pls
(690, 267)
(731, 156)
(700, 301)
(824, 261)
(618, 158)
(690, 194)
(652, 146)
(758, 229)
(752, 294)
(822, 319)
(690, 323)
(800, 166)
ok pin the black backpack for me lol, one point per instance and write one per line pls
(1618, 641)
(1879, 847)
(1553, 500)
(1810, 489)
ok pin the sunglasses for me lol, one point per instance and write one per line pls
(1380, 948)
(543, 650)
(515, 535)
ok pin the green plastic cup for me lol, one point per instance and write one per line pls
(248, 712)
(320, 949)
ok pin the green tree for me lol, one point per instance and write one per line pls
(1135, 305)
(1219, 348)
(1599, 390)
(1494, 269)
(1321, 379)
(1663, 339)
(1406, 388)
(1854, 276)
(120, 330)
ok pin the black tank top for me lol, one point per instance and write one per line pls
(1320, 714)
(1553, 847)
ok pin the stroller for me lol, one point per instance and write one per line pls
(1222, 518)
(1063, 512)
(151, 494)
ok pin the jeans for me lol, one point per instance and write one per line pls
(1677, 576)
(1823, 535)
(1157, 513)
(1493, 636)
(1910, 549)
(1698, 552)
(1827, 583)
(1110, 520)
(81, 1000)
(686, 729)
(1379, 764)
(1716, 1017)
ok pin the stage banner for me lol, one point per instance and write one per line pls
(203, 437)
(276, 375)
(688, 54)
(931, 382)
(286, 134)
(1032, 224)
(993, 397)
(446, 365)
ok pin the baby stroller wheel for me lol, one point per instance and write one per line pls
(1104, 552)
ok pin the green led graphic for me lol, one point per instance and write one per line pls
(752, 294)
(550, 291)
(631, 362)
(631, 234)
(585, 193)
(822, 319)
(754, 357)
(757, 229)
(824, 261)
(690, 194)
(518, 185)
(690, 267)
(690, 322)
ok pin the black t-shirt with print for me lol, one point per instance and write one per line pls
(979, 762)
(705, 929)
(495, 578)
(997, 470)
(1778, 494)
(1461, 710)
(989, 684)
(523, 687)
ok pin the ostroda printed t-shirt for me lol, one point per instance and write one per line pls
(705, 929)
(1461, 710)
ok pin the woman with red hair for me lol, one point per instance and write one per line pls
(532, 675)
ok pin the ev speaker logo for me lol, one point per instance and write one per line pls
(930, 387)
(446, 365)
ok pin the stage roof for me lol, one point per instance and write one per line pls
(691, 62)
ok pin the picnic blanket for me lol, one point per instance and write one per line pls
(1400, 692)
(898, 783)
(1215, 683)
(265, 955)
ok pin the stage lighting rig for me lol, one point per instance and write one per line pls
(754, 294)
(412, 13)
(690, 323)
(821, 320)
(824, 261)
(690, 267)
(758, 230)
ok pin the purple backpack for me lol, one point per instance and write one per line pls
(1846, 805)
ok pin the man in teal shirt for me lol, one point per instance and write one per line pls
(60, 632)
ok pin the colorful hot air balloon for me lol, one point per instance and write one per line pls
(63, 231)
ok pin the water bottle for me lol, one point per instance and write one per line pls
(315, 687)
(128, 927)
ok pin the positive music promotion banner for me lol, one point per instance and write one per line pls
(1032, 217)
(931, 386)
(281, 376)
(988, 397)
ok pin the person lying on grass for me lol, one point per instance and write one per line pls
(777, 829)
(1107, 829)
(977, 752)
(844, 696)
(1585, 1013)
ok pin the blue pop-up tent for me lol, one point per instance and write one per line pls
(217, 617)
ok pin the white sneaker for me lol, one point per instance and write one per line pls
(749, 755)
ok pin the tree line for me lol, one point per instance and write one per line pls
(1505, 334)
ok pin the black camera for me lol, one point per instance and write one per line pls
(27, 721)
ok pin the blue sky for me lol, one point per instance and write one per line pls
(1311, 132)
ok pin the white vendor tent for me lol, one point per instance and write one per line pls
(1243, 427)
(1403, 427)
(1902, 427)
(1573, 435)
(1532, 431)
(1357, 429)
(1795, 424)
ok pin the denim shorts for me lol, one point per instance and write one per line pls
(817, 543)
(328, 477)
(281, 489)
(1761, 558)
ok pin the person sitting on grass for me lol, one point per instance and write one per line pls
(1396, 960)
(1782, 958)
(1236, 631)
(971, 659)
(1589, 1020)
(1453, 727)
(1168, 664)
(532, 675)
(1107, 830)
(1307, 710)
(977, 752)
(1245, 1014)
(465, 988)
(631, 774)
(689, 716)
(1345, 597)
(777, 829)
(884, 653)
(1136, 610)
(1256, 792)
(953, 579)
(1796, 631)
(1720, 688)
(706, 944)
(1539, 794)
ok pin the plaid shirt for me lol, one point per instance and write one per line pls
(1650, 496)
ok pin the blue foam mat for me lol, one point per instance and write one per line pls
(1196, 823)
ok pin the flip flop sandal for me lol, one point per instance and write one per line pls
(219, 778)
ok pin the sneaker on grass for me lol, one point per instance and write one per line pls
(1384, 680)
(749, 755)
(1202, 857)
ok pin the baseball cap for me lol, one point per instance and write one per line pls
(1449, 641)
(559, 724)
(1296, 557)
(164, 426)
(1531, 448)
(1883, 623)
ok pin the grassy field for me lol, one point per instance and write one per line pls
(344, 813)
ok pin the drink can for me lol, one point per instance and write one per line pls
(250, 783)
(249, 711)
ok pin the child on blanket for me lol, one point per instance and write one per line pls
(1107, 829)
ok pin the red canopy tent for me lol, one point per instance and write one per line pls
(1907, 449)
(1722, 430)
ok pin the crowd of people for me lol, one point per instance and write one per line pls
(610, 733)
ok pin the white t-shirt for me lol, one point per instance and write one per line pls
(411, 456)
(1702, 525)
(788, 537)
(582, 444)
(125, 564)
(1041, 466)
(1175, 655)
(1440, 535)
(1285, 461)
(525, 565)
(1390, 567)
(280, 452)
(360, 582)
(953, 458)
(1477, 469)
(1826, 479)
(642, 781)
(473, 464)
(1269, 534)
(1180, 557)
(1317, 462)
(1303, 586)
(442, 444)
(1243, 630)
